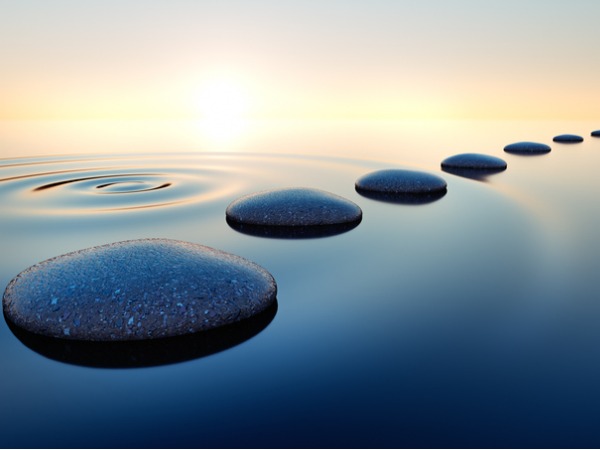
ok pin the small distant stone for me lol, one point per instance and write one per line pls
(402, 185)
(527, 148)
(596, 133)
(568, 138)
(134, 290)
(293, 207)
(474, 161)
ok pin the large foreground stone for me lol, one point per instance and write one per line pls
(132, 290)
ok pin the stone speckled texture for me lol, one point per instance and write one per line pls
(146, 352)
(473, 165)
(293, 207)
(133, 290)
(595, 133)
(401, 186)
(567, 138)
(527, 148)
(474, 161)
(397, 181)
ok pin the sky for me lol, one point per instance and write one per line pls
(309, 59)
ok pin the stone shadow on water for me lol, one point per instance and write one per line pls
(145, 353)
(292, 232)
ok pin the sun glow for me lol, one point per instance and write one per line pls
(223, 99)
(223, 106)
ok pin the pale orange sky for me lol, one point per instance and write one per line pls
(299, 59)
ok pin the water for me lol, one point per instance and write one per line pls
(468, 321)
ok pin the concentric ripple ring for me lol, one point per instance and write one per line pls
(68, 187)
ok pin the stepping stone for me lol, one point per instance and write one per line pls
(527, 148)
(134, 290)
(147, 352)
(567, 138)
(293, 213)
(473, 165)
(401, 186)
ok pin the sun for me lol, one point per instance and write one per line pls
(222, 99)
(223, 105)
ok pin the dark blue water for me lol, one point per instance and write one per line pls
(470, 321)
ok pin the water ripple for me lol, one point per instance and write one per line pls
(60, 186)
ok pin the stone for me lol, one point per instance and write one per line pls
(567, 138)
(135, 290)
(473, 165)
(596, 133)
(293, 212)
(147, 352)
(401, 186)
(474, 161)
(527, 148)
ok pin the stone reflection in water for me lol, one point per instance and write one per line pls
(293, 213)
(292, 232)
(156, 352)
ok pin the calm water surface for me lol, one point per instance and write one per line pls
(471, 321)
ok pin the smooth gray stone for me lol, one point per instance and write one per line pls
(146, 352)
(596, 133)
(567, 138)
(475, 161)
(293, 207)
(401, 186)
(397, 181)
(527, 148)
(473, 165)
(132, 290)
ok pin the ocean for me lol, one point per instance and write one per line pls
(469, 321)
